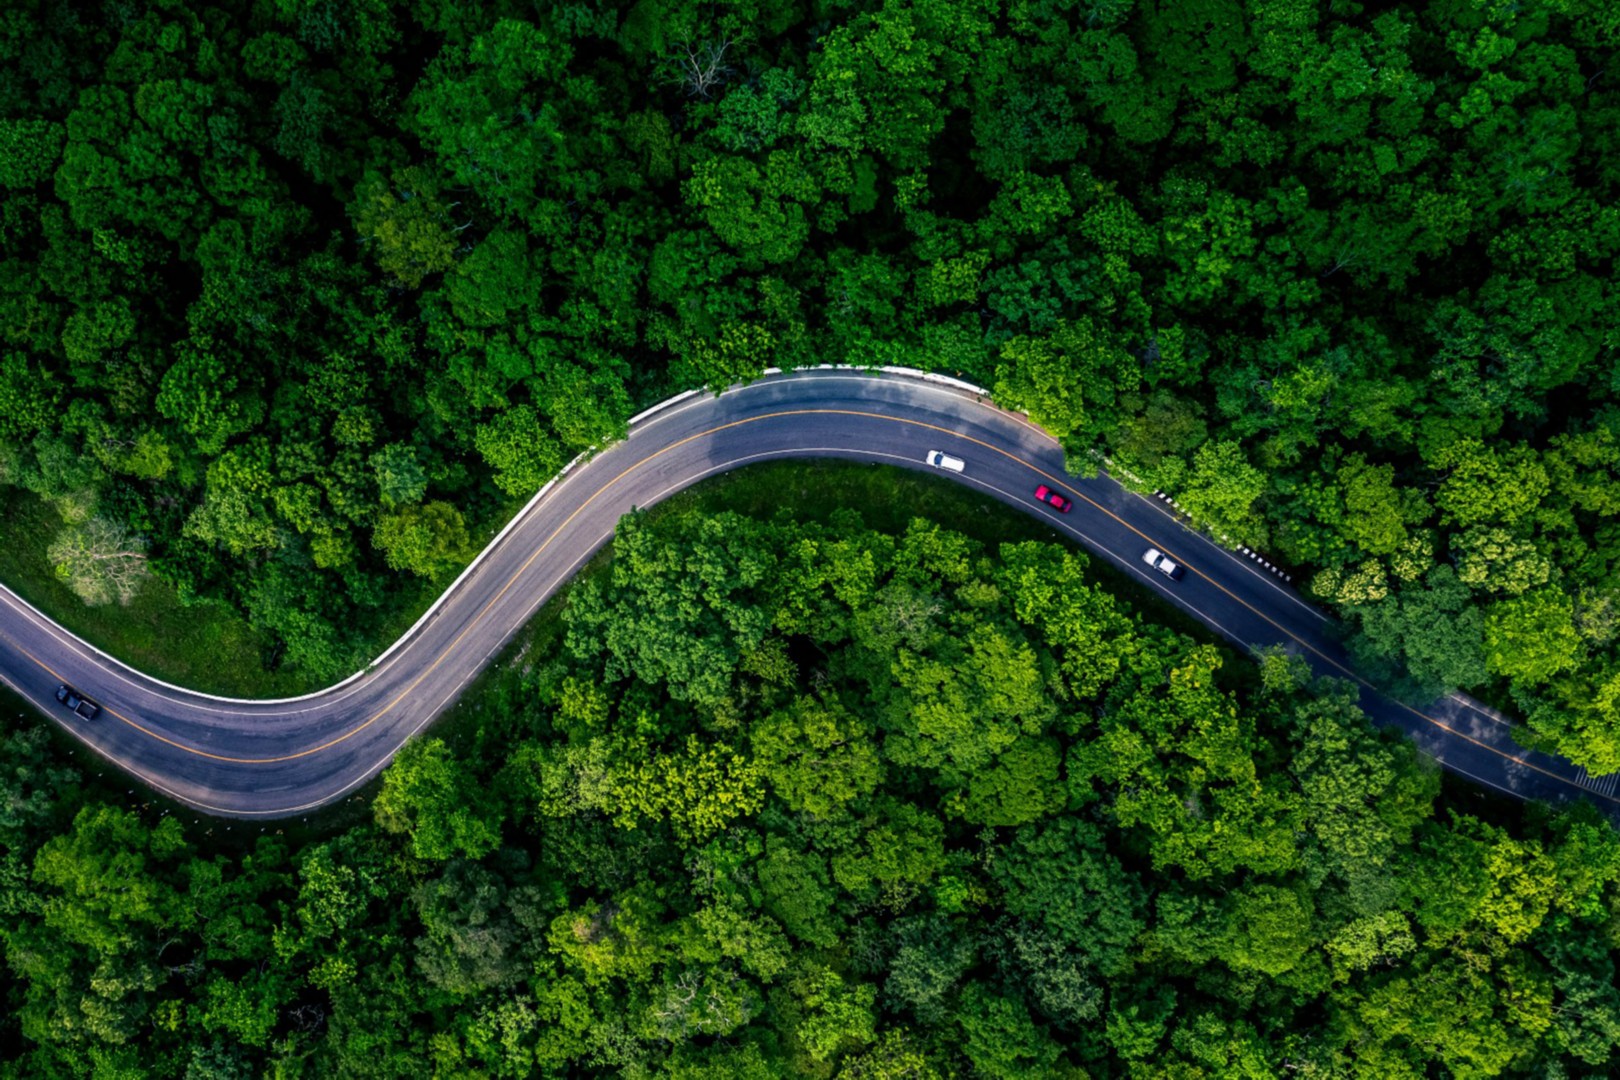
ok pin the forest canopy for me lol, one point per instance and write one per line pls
(297, 297)
(860, 805)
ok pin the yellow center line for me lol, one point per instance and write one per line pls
(1442, 725)
(781, 414)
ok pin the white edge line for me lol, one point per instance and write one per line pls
(444, 596)
(685, 395)
(661, 406)
(434, 714)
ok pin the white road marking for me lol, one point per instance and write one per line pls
(524, 517)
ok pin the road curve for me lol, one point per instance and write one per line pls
(271, 759)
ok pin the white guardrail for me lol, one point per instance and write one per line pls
(517, 518)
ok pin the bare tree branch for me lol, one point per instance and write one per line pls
(702, 68)
(100, 561)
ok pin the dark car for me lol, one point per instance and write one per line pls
(1053, 499)
(82, 706)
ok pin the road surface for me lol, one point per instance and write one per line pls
(270, 759)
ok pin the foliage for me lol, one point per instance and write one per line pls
(304, 295)
(782, 871)
(288, 286)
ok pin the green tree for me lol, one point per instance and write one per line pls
(1498, 561)
(1432, 628)
(523, 455)
(29, 150)
(401, 216)
(930, 958)
(493, 281)
(1067, 382)
(1376, 513)
(1485, 485)
(401, 479)
(1532, 637)
(759, 214)
(1444, 1015)
(1221, 493)
(839, 1017)
(430, 539)
(1370, 942)
(471, 941)
(1267, 929)
(110, 880)
(1061, 983)
(818, 756)
(1061, 875)
(430, 796)
(489, 110)
(680, 613)
(1002, 1040)
(1363, 794)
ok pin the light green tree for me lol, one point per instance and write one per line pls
(1532, 637)
(409, 228)
(1487, 485)
(520, 450)
(433, 799)
(1069, 381)
(817, 756)
(429, 539)
(1496, 560)
(838, 1017)
(1222, 490)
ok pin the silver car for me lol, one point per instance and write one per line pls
(1163, 564)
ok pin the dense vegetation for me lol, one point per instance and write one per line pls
(852, 805)
(297, 296)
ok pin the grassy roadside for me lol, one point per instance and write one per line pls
(194, 645)
(210, 648)
(205, 647)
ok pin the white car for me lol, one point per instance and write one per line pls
(1162, 563)
(941, 460)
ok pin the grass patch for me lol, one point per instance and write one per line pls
(206, 647)
(886, 496)
(148, 632)
(210, 648)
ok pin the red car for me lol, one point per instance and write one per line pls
(1053, 499)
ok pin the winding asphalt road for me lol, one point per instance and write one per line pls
(270, 759)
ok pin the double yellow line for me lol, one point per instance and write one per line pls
(782, 414)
